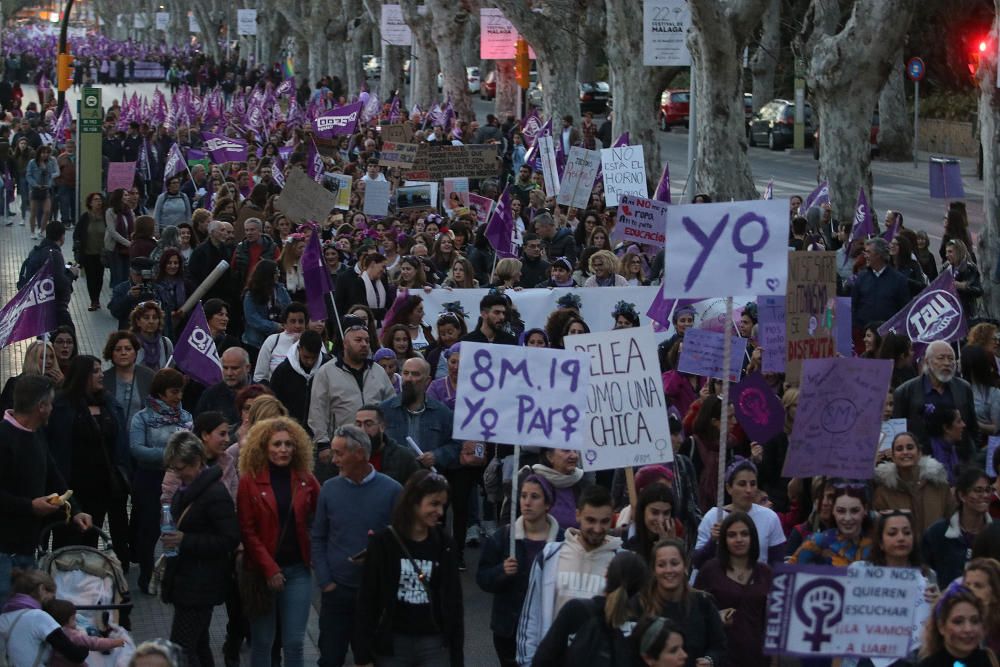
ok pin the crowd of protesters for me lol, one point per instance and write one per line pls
(293, 474)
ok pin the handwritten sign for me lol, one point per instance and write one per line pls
(838, 421)
(626, 418)
(121, 175)
(624, 171)
(863, 611)
(397, 155)
(304, 199)
(771, 332)
(640, 220)
(524, 395)
(578, 177)
(758, 409)
(377, 198)
(809, 308)
(246, 21)
(890, 429)
(727, 248)
(703, 353)
(434, 163)
(399, 133)
(550, 171)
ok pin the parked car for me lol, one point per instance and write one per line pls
(406, 70)
(872, 137)
(373, 67)
(534, 93)
(747, 110)
(674, 108)
(594, 96)
(471, 76)
(774, 125)
(488, 88)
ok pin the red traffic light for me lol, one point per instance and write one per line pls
(982, 46)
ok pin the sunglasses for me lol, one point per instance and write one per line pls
(895, 512)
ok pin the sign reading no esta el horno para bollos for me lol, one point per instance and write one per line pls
(522, 395)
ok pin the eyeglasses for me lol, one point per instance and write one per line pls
(356, 327)
(895, 512)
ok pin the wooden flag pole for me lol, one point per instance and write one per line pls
(727, 347)
(514, 500)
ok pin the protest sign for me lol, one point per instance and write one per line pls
(550, 171)
(809, 308)
(640, 220)
(409, 197)
(758, 409)
(842, 324)
(481, 206)
(497, 35)
(32, 311)
(665, 24)
(340, 189)
(397, 155)
(304, 199)
(727, 248)
(624, 170)
(626, 418)
(578, 177)
(162, 20)
(121, 175)
(400, 133)
(863, 611)
(456, 196)
(703, 353)
(393, 26)
(434, 163)
(337, 122)
(890, 429)
(193, 25)
(838, 420)
(538, 392)
(945, 176)
(771, 333)
(934, 314)
(377, 198)
(246, 21)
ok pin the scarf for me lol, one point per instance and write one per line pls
(374, 292)
(150, 351)
(555, 478)
(167, 414)
(124, 225)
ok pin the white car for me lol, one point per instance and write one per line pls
(471, 76)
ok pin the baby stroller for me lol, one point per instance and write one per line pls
(93, 580)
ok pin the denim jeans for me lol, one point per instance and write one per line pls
(336, 623)
(7, 564)
(294, 602)
(416, 651)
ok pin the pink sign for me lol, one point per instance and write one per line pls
(121, 175)
(497, 36)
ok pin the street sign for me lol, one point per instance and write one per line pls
(915, 69)
(90, 117)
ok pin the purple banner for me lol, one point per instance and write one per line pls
(340, 121)
(934, 314)
(223, 149)
(758, 409)
(946, 178)
(838, 420)
(195, 352)
(32, 311)
(316, 276)
(772, 334)
(703, 353)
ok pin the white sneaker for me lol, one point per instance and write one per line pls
(22, 222)
(34, 236)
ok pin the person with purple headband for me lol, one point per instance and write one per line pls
(445, 389)
(386, 358)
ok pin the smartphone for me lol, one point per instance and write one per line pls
(360, 556)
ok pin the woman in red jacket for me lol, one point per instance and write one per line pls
(276, 502)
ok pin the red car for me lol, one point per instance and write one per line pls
(674, 108)
(488, 89)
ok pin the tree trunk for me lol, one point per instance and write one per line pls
(470, 37)
(357, 44)
(895, 135)
(508, 99)
(449, 21)
(720, 31)
(557, 43)
(392, 72)
(989, 134)
(317, 58)
(765, 57)
(424, 62)
(846, 72)
(594, 37)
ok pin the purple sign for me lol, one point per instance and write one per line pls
(934, 314)
(32, 311)
(839, 418)
(195, 353)
(771, 333)
(342, 120)
(946, 178)
(843, 340)
(703, 353)
(758, 409)
(221, 148)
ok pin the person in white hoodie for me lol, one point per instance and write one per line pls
(292, 380)
(276, 346)
(568, 570)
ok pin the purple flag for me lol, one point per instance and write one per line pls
(863, 227)
(223, 149)
(175, 162)
(946, 178)
(314, 162)
(818, 197)
(32, 311)
(340, 121)
(622, 140)
(663, 187)
(934, 314)
(890, 233)
(530, 128)
(769, 190)
(758, 409)
(278, 176)
(500, 228)
(662, 308)
(195, 352)
(370, 110)
(286, 87)
(195, 154)
(316, 276)
(63, 123)
(394, 112)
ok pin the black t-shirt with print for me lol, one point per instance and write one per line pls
(415, 614)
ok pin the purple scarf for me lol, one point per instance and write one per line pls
(151, 351)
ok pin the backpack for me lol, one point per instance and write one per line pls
(4, 657)
(593, 643)
(29, 267)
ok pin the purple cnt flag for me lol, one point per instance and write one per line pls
(314, 162)
(223, 149)
(32, 311)
(818, 197)
(663, 187)
(175, 162)
(195, 352)
(863, 227)
(500, 228)
(316, 276)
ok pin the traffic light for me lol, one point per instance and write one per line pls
(522, 64)
(64, 72)
(977, 50)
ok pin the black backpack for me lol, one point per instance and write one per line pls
(593, 643)
(29, 267)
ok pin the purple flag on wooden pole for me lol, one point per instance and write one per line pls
(769, 190)
(314, 162)
(818, 197)
(863, 227)
(175, 162)
(195, 353)
(500, 228)
(663, 187)
(316, 276)
(32, 311)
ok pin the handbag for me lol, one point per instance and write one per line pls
(158, 580)
(256, 595)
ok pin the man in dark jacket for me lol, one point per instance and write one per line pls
(534, 269)
(138, 288)
(388, 456)
(557, 242)
(62, 277)
(221, 396)
(207, 256)
(879, 292)
(292, 379)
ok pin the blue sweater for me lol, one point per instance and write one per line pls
(345, 513)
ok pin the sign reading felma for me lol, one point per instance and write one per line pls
(538, 392)
(863, 611)
(640, 220)
(624, 171)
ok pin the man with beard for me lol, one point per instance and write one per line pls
(936, 390)
(388, 456)
(492, 315)
(412, 414)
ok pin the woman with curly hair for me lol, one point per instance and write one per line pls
(955, 631)
(276, 499)
(408, 310)
(982, 577)
(146, 322)
(633, 269)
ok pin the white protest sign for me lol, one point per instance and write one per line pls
(624, 171)
(626, 419)
(665, 24)
(890, 429)
(377, 198)
(863, 611)
(578, 177)
(550, 171)
(140, 21)
(394, 29)
(193, 24)
(162, 20)
(246, 21)
(719, 249)
(640, 220)
(524, 395)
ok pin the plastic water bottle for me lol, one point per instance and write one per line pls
(167, 526)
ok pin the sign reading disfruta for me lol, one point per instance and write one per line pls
(522, 395)
(626, 411)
